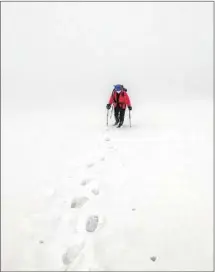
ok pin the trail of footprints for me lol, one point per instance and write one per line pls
(92, 221)
(74, 253)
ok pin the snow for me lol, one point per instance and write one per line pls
(78, 195)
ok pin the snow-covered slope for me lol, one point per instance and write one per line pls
(78, 195)
(149, 185)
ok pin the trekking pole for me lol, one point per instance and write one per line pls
(111, 112)
(107, 117)
(130, 117)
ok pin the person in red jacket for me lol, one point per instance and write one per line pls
(120, 99)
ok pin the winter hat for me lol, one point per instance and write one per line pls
(118, 88)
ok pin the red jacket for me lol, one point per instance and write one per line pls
(123, 99)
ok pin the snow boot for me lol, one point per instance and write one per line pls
(120, 124)
(116, 123)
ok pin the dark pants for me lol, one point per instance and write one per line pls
(119, 114)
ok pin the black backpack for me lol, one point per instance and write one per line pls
(124, 89)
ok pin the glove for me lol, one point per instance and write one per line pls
(130, 107)
(108, 106)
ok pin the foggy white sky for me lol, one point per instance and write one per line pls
(52, 51)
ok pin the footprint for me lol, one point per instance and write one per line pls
(92, 223)
(107, 138)
(95, 191)
(90, 164)
(79, 202)
(102, 158)
(86, 181)
(153, 258)
(72, 253)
